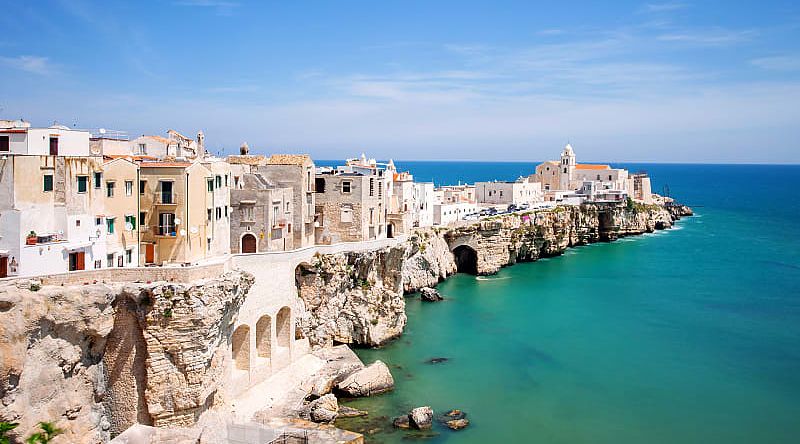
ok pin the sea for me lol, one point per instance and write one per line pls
(688, 335)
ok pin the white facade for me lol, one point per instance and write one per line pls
(448, 213)
(520, 192)
(424, 202)
(55, 140)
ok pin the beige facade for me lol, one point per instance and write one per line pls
(295, 171)
(174, 212)
(351, 207)
(120, 184)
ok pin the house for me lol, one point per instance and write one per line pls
(218, 206)
(295, 171)
(120, 188)
(522, 191)
(49, 202)
(174, 146)
(456, 194)
(423, 201)
(177, 211)
(351, 206)
(450, 213)
(261, 211)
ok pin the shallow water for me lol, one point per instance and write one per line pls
(689, 335)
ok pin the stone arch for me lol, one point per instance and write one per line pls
(466, 259)
(240, 347)
(264, 337)
(283, 327)
(248, 243)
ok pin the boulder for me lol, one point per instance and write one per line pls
(324, 409)
(429, 294)
(421, 417)
(437, 360)
(373, 379)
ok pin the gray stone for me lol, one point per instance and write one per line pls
(324, 409)
(374, 379)
(421, 417)
(429, 294)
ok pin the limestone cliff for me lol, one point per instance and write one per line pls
(98, 358)
(354, 298)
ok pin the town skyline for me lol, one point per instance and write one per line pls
(660, 82)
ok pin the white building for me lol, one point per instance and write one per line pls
(521, 191)
(424, 202)
(449, 213)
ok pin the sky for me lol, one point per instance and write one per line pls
(672, 81)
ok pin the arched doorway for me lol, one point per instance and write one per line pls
(264, 337)
(283, 327)
(390, 231)
(240, 346)
(466, 259)
(248, 243)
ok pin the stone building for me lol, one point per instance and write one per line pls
(120, 183)
(261, 211)
(351, 207)
(295, 171)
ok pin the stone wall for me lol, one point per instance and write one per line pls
(95, 359)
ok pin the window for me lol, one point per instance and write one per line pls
(226, 211)
(142, 186)
(119, 261)
(54, 146)
(346, 215)
(208, 214)
(275, 213)
(83, 183)
(47, 185)
(219, 181)
(110, 225)
(5, 143)
(129, 188)
(166, 192)
(166, 224)
(380, 189)
(371, 186)
(110, 189)
(142, 148)
(98, 221)
(210, 184)
(219, 213)
(98, 178)
(319, 184)
(129, 256)
(288, 207)
(346, 186)
(109, 260)
(226, 180)
(142, 218)
(130, 222)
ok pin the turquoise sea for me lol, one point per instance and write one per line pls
(690, 335)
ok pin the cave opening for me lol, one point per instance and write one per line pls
(466, 259)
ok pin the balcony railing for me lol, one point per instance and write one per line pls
(166, 199)
(165, 230)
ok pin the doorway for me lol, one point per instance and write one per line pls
(77, 261)
(248, 243)
(149, 253)
(3, 266)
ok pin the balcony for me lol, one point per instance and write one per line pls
(166, 199)
(165, 230)
(279, 223)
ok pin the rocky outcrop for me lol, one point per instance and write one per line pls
(324, 409)
(421, 417)
(428, 260)
(372, 380)
(354, 298)
(429, 294)
(95, 359)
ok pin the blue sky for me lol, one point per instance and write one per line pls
(715, 81)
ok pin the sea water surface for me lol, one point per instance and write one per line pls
(690, 335)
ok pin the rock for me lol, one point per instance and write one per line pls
(402, 422)
(437, 360)
(421, 417)
(374, 379)
(324, 409)
(454, 414)
(429, 294)
(349, 412)
(457, 424)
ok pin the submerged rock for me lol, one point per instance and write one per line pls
(349, 412)
(421, 417)
(457, 424)
(429, 294)
(402, 422)
(374, 379)
(437, 360)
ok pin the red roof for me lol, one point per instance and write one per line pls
(589, 166)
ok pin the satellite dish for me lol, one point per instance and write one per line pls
(193, 230)
(183, 232)
(177, 221)
(128, 226)
(102, 130)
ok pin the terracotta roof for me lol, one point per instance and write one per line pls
(129, 157)
(158, 138)
(249, 159)
(288, 159)
(589, 166)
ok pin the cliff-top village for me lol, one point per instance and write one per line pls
(73, 200)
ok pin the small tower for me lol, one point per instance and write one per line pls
(567, 167)
(201, 145)
(244, 150)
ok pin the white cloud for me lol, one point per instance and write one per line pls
(778, 63)
(663, 7)
(29, 63)
(709, 37)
